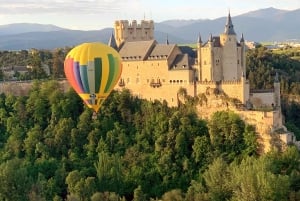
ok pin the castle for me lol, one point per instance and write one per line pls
(215, 72)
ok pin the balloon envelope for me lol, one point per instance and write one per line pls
(93, 69)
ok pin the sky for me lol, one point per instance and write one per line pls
(99, 14)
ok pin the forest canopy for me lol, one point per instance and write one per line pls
(52, 149)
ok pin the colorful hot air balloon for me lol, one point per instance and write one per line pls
(93, 69)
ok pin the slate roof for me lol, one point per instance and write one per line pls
(181, 62)
(229, 26)
(136, 50)
(215, 41)
(161, 51)
(112, 42)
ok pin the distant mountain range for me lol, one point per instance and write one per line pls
(268, 24)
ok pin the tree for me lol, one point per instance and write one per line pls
(109, 173)
(201, 151)
(58, 64)
(138, 194)
(226, 134)
(217, 180)
(252, 180)
(106, 196)
(37, 72)
(173, 195)
(14, 181)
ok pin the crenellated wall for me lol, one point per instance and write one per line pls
(133, 31)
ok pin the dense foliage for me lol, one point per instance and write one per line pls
(262, 66)
(37, 62)
(52, 149)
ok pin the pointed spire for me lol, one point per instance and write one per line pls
(242, 38)
(112, 42)
(210, 39)
(167, 41)
(199, 41)
(229, 26)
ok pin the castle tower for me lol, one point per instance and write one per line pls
(199, 46)
(245, 89)
(277, 92)
(229, 54)
(242, 63)
(125, 31)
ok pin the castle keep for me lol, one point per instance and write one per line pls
(215, 72)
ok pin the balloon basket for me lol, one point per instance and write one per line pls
(94, 116)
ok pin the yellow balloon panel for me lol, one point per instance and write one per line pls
(93, 69)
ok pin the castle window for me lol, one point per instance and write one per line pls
(238, 61)
(147, 80)
(170, 81)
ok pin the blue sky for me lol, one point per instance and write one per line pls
(98, 14)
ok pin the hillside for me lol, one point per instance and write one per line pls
(52, 149)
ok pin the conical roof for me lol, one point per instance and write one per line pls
(229, 26)
(112, 42)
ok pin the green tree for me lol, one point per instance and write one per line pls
(57, 63)
(109, 173)
(252, 180)
(226, 131)
(217, 180)
(14, 181)
(37, 72)
(138, 194)
(173, 195)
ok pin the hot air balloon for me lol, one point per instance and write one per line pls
(93, 69)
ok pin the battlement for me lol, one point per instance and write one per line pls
(223, 82)
(125, 24)
(133, 31)
(233, 82)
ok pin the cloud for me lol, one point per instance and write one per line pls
(11, 7)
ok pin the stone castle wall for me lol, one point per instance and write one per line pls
(264, 99)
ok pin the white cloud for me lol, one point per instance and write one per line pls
(10, 7)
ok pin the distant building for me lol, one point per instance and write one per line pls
(9, 72)
(217, 68)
